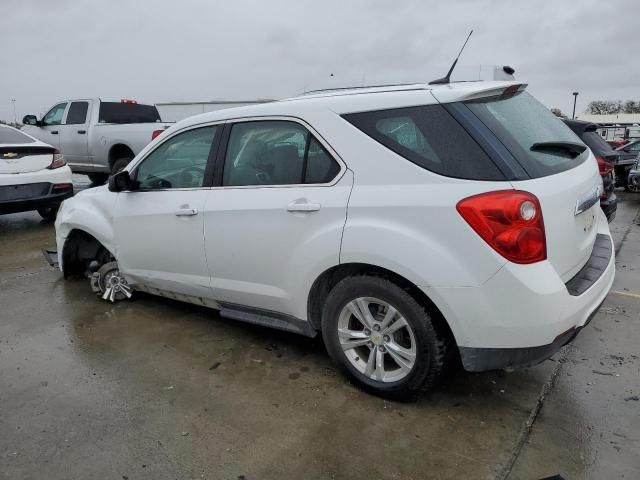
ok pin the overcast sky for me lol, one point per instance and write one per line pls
(195, 50)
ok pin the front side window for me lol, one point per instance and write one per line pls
(429, 137)
(275, 152)
(54, 116)
(77, 114)
(179, 162)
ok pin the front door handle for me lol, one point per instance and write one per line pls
(54, 132)
(303, 207)
(186, 212)
(82, 132)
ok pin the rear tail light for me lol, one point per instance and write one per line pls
(61, 186)
(604, 167)
(58, 161)
(510, 221)
(155, 133)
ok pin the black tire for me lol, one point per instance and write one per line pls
(49, 212)
(97, 178)
(119, 165)
(432, 345)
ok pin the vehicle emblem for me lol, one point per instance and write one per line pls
(589, 200)
(10, 155)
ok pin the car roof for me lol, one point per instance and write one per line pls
(358, 99)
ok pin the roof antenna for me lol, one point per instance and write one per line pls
(447, 78)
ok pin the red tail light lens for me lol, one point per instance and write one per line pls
(510, 221)
(57, 162)
(604, 167)
(155, 133)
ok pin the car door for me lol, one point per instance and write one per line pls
(49, 128)
(159, 224)
(73, 134)
(276, 215)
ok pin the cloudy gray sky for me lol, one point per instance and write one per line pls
(169, 50)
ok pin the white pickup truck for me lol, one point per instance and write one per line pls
(97, 138)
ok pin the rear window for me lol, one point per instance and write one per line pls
(429, 137)
(9, 135)
(519, 121)
(596, 143)
(117, 112)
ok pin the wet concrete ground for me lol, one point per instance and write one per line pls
(155, 389)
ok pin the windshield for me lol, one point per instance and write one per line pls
(519, 122)
(12, 136)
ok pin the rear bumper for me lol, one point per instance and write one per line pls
(483, 359)
(524, 313)
(39, 197)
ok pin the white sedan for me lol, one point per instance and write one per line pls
(33, 175)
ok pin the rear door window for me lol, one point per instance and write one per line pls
(275, 152)
(77, 114)
(429, 137)
(519, 121)
(10, 136)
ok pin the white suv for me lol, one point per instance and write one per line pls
(411, 225)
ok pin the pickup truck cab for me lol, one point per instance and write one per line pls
(97, 138)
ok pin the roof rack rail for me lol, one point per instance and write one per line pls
(356, 87)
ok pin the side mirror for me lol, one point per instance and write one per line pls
(30, 120)
(120, 182)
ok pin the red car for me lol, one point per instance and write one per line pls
(618, 142)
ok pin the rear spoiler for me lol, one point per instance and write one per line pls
(502, 91)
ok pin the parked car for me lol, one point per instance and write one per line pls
(634, 177)
(411, 225)
(586, 131)
(97, 138)
(617, 143)
(33, 175)
(632, 147)
(621, 161)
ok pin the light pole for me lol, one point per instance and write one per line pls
(575, 99)
(15, 117)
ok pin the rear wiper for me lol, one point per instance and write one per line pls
(573, 149)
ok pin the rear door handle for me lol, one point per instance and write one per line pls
(186, 212)
(54, 132)
(303, 207)
(82, 132)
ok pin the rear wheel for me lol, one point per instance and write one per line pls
(119, 165)
(98, 178)
(49, 212)
(384, 339)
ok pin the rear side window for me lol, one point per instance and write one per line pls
(520, 121)
(114, 112)
(77, 114)
(11, 136)
(429, 137)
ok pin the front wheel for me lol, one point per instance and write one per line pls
(382, 337)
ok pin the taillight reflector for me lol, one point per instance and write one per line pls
(155, 133)
(57, 162)
(510, 221)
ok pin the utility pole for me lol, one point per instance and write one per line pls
(575, 99)
(15, 117)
